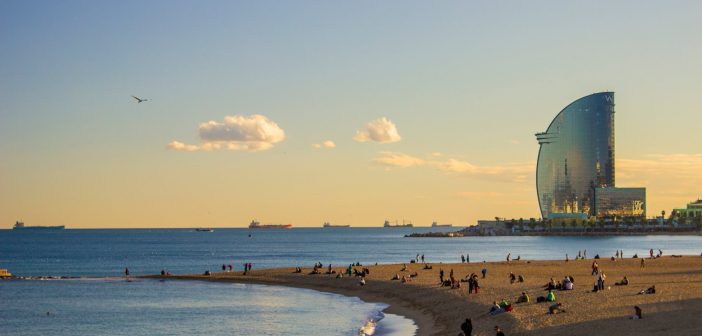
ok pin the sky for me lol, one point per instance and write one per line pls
(351, 112)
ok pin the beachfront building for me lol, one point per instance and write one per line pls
(620, 202)
(576, 164)
(690, 215)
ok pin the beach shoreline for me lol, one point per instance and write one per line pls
(438, 310)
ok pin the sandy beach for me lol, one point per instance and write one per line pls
(440, 310)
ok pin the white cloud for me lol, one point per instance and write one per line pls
(436, 154)
(325, 144)
(516, 172)
(395, 159)
(240, 133)
(380, 130)
(179, 146)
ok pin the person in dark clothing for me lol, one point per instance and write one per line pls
(126, 271)
(441, 275)
(639, 313)
(484, 271)
(498, 331)
(467, 327)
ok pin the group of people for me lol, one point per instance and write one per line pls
(465, 259)
(567, 284)
(513, 278)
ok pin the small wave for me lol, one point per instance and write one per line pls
(368, 329)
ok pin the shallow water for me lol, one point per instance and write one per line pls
(152, 307)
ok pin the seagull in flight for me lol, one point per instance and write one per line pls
(139, 100)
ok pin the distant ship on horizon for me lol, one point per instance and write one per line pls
(19, 225)
(204, 230)
(330, 225)
(435, 224)
(387, 224)
(257, 225)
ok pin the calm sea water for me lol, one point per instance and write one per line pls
(114, 307)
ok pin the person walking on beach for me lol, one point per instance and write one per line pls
(422, 258)
(484, 271)
(509, 257)
(468, 257)
(463, 259)
(467, 327)
(643, 263)
(650, 252)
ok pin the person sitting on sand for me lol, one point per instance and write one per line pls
(649, 290)
(519, 257)
(496, 309)
(339, 275)
(427, 267)
(524, 298)
(404, 279)
(512, 278)
(638, 314)
(567, 285)
(556, 308)
(396, 277)
(520, 278)
(624, 282)
(414, 275)
(550, 285)
(551, 297)
(298, 270)
(404, 268)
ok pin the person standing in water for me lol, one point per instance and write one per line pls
(126, 272)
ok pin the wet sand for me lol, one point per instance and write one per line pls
(437, 310)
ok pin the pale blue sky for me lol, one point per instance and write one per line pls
(472, 80)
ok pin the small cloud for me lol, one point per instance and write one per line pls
(179, 146)
(436, 154)
(380, 130)
(325, 144)
(240, 133)
(395, 159)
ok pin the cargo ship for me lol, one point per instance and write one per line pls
(387, 224)
(257, 225)
(204, 230)
(435, 224)
(20, 226)
(330, 225)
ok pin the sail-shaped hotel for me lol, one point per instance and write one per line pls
(575, 173)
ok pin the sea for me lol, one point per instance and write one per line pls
(97, 300)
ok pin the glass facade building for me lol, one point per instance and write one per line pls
(620, 202)
(576, 156)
